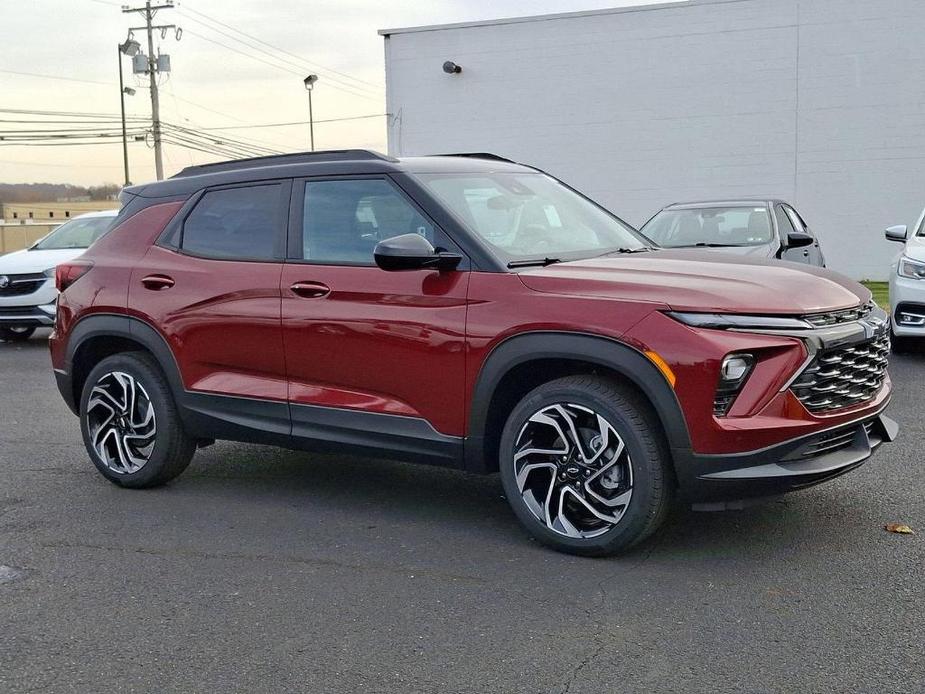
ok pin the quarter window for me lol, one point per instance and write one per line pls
(342, 221)
(240, 223)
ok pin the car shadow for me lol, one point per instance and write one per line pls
(465, 504)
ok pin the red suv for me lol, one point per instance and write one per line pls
(464, 311)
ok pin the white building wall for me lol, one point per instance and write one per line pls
(821, 102)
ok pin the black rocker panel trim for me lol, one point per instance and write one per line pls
(374, 434)
(593, 349)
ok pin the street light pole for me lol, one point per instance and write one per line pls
(309, 82)
(122, 101)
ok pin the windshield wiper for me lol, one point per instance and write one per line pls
(621, 251)
(702, 244)
(535, 262)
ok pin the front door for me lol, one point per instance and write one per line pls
(372, 356)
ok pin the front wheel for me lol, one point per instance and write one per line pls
(16, 333)
(584, 467)
(130, 424)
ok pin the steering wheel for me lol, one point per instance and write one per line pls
(533, 238)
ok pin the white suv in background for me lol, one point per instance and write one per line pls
(907, 284)
(27, 277)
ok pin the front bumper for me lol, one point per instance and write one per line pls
(32, 316)
(716, 480)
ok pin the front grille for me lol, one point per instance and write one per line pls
(23, 284)
(843, 376)
(823, 320)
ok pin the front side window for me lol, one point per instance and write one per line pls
(796, 219)
(710, 226)
(343, 220)
(234, 223)
(77, 233)
(530, 215)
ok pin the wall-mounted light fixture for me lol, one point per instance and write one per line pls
(451, 68)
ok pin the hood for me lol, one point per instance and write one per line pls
(702, 281)
(915, 248)
(26, 261)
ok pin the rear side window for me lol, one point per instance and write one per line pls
(235, 223)
(342, 221)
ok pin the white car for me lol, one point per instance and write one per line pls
(907, 284)
(27, 277)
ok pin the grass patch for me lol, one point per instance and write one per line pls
(880, 290)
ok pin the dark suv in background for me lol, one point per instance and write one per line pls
(463, 311)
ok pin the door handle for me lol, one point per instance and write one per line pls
(157, 282)
(310, 290)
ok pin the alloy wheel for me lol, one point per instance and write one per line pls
(121, 422)
(573, 471)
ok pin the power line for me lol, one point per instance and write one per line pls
(302, 65)
(56, 77)
(298, 122)
(281, 50)
(284, 68)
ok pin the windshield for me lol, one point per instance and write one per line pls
(78, 233)
(526, 216)
(710, 226)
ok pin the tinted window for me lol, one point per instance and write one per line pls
(342, 221)
(783, 221)
(78, 233)
(234, 223)
(796, 219)
(716, 226)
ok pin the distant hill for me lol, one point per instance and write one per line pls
(49, 192)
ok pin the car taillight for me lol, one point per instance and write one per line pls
(68, 273)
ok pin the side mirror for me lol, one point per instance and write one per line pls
(896, 233)
(413, 252)
(797, 239)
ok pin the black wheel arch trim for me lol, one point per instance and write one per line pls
(569, 346)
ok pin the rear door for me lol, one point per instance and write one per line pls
(366, 348)
(211, 287)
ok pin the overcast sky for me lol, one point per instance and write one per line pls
(73, 44)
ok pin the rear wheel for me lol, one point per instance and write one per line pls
(584, 468)
(16, 333)
(130, 424)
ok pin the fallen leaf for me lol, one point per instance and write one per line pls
(900, 528)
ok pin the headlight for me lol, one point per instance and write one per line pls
(911, 269)
(733, 373)
(50, 272)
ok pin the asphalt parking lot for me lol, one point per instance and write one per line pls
(270, 570)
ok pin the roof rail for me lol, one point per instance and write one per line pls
(477, 155)
(276, 159)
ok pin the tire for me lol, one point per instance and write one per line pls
(16, 333)
(159, 449)
(637, 481)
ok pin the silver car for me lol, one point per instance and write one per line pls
(768, 228)
(907, 285)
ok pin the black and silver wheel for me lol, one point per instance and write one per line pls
(16, 333)
(130, 424)
(583, 469)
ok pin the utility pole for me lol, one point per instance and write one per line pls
(154, 66)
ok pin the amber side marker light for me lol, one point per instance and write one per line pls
(662, 366)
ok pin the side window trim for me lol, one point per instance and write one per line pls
(172, 236)
(295, 239)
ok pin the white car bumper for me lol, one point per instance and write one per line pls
(28, 300)
(907, 306)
